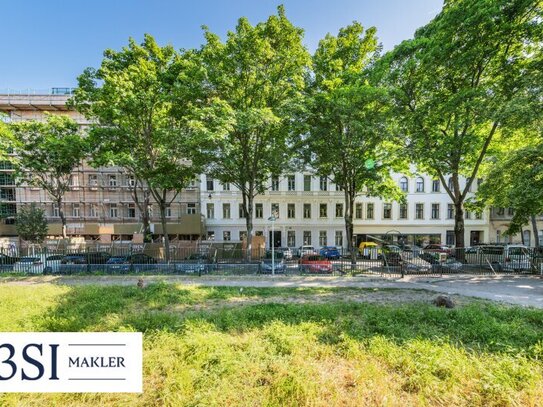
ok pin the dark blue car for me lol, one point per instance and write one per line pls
(330, 252)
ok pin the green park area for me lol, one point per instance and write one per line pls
(209, 346)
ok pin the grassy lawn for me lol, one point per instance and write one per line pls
(216, 346)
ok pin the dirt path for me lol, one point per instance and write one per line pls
(519, 290)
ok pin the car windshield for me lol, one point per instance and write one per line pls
(315, 258)
(517, 251)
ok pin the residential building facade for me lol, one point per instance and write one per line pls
(100, 204)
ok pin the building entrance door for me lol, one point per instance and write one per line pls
(275, 239)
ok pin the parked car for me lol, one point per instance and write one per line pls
(286, 252)
(275, 265)
(306, 249)
(313, 263)
(7, 262)
(330, 252)
(509, 257)
(391, 258)
(369, 250)
(448, 266)
(194, 263)
(83, 262)
(437, 248)
(411, 250)
(132, 262)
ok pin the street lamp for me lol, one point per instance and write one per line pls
(272, 219)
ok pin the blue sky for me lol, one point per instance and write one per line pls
(48, 43)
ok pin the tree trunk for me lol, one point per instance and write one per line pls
(145, 217)
(165, 231)
(248, 207)
(534, 229)
(62, 218)
(522, 236)
(459, 225)
(349, 228)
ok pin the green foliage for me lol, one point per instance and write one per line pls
(200, 352)
(47, 154)
(31, 223)
(516, 181)
(466, 76)
(347, 119)
(258, 76)
(147, 110)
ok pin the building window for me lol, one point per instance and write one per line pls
(403, 211)
(210, 211)
(130, 181)
(226, 236)
(112, 180)
(501, 211)
(323, 210)
(435, 211)
(93, 213)
(291, 211)
(339, 210)
(209, 183)
(369, 211)
(387, 211)
(168, 211)
(291, 238)
(113, 213)
(420, 184)
(275, 209)
(510, 211)
(419, 211)
(131, 211)
(291, 183)
(307, 183)
(307, 211)
(226, 211)
(436, 185)
(275, 183)
(191, 208)
(210, 235)
(339, 238)
(93, 180)
(478, 215)
(259, 233)
(498, 236)
(358, 211)
(226, 186)
(56, 211)
(404, 185)
(241, 211)
(450, 211)
(322, 238)
(259, 211)
(323, 184)
(449, 238)
(307, 237)
(451, 184)
(74, 180)
(339, 187)
(467, 214)
(75, 211)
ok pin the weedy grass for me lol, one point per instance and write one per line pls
(338, 353)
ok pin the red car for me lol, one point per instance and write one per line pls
(437, 248)
(312, 263)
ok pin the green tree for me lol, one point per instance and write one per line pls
(516, 182)
(465, 77)
(258, 75)
(46, 155)
(31, 224)
(143, 102)
(348, 137)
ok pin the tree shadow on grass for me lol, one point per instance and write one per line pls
(479, 326)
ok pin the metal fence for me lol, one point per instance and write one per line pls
(220, 261)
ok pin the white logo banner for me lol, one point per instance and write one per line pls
(73, 362)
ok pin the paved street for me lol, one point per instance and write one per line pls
(519, 290)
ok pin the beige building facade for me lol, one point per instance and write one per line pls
(100, 204)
